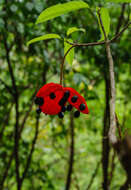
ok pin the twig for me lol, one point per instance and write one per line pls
(19, 135)
(31, 151)
(120, 18)
(112, 130)
(93, 175)
(89, 44)
(16, 97)
(17, 112)
(118, 127)
(5, 173)
(105, 141)
(120, 33)
(71, 161)
(112, 167)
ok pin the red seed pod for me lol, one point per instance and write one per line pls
(51, 94)
(52, 99)
(76, 100)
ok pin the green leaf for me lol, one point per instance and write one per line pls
(44, 37)
(105, 20)
(60, 9)
(119, 1)
(74, 29)
(70, 55)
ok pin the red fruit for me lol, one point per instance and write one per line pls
(55, 97)
(76, 100)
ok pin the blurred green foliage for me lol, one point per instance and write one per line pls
(40, 63)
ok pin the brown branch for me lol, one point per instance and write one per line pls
(31, 151)
(93, 176)
(118, 127)
(71, 161)
(27, 113)
(90, 44)
(25, 118)
(112, 167)
(16, 96)
(112, 130)
(62, 64)
(17, 113)
(105, 141)
(120, 18)
(123, 149)
(19, 135)
(120, 33)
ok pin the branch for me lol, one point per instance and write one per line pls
(16, 96)
(31, 151)
(71, 161)
(112, 167)
(120, 33)
(19, 135)
(17, 113)
(105, 141)
(93, 175)
(112, 130)
(120, 18)
(5, 173)
(118, 127)
(90, 44)
(29, 110)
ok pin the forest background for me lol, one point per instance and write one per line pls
(74, 153)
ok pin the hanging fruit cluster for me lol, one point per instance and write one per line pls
(52, 99)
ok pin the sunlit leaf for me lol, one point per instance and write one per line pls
(74, 29)
(105, 20)
(60, 9)
(44, 37)
(70, 55)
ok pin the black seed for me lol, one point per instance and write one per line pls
(74, 99)
(69, 107)
(60, 115)
(38, 110)
(62, 101)
(52, 95)
(63, 108)
(82, 107)
(76, 114)
(39, 101)
(67, 94)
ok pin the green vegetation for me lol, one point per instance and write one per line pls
(36, 152)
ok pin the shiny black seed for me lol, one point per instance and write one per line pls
(76, 114)
(60, 115)
(69, 107)
(62, 101)
(38, 110)
(82, 107)
(63, 108)
(39, 101)
(52, 95)
(66, 94)
(74, 99)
